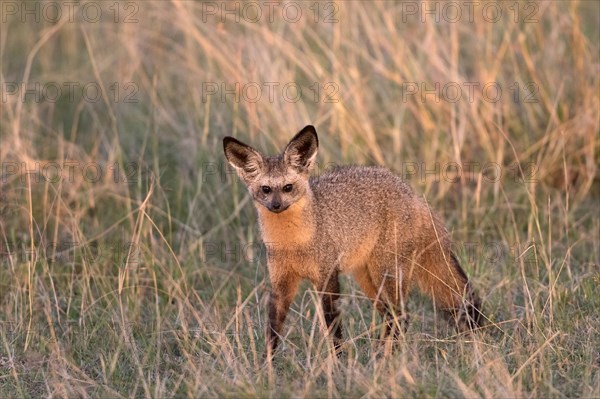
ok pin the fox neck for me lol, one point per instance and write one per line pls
(292, 227)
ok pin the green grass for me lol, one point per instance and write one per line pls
(151, 280)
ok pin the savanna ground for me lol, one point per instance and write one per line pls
(131, 263)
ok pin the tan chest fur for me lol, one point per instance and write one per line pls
(289, 237)
(293, 227)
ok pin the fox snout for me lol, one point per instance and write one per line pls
(276, 206)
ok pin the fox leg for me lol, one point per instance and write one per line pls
(391, 291)
(386, 296)
(329, 288)
(282, 294)
(365, 282)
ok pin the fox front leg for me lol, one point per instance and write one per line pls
(280, 299)
(330, 293)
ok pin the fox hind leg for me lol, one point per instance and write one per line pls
(392, 290)
(387, 292)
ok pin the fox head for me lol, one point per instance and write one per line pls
(275, 182)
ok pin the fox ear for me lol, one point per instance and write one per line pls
(301, 151)
(246, 160)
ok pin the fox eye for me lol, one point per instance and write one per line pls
(266, 189)
(287, 188)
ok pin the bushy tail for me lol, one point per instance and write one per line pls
(469, 314)
(452, 292)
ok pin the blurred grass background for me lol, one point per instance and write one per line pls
(149, 279)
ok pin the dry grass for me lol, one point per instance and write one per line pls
(150, 280)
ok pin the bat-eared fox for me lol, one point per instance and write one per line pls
(360, 220)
